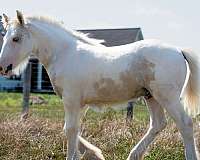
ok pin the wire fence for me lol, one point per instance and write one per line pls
(40, 81)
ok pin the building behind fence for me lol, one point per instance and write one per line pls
(39, 78)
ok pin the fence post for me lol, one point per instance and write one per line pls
(26, 91)
(39, 77)
(129, 115)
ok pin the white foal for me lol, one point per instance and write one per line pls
(84, 72)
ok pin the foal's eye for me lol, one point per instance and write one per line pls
(16, 39)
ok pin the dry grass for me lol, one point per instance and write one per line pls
(33, 139)
(41, 136)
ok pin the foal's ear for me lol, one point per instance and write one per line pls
(20, 17)
(5, 18)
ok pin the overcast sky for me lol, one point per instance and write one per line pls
(174, 21)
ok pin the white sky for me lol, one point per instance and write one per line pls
(173, 21)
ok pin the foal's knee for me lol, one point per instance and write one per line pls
(159, 123)
(187, 127)
(69, 129)
(158, 126)
(188, 122)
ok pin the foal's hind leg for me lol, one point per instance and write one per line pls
(185, 126)
(157, 123)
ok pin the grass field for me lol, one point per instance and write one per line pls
(41, 136)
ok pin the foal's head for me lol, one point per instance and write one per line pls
(17, 43)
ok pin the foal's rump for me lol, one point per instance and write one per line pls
(170, 73)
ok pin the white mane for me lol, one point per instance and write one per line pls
(85, 38)
(77, 34)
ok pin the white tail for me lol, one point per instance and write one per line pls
(191, 90)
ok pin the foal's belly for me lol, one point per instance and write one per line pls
(109, 91)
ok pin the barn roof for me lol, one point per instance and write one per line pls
(115, 37)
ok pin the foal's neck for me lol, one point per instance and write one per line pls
(51, 41)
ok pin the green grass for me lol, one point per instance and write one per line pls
(41, 136)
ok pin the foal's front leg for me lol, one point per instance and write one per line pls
(72, 117)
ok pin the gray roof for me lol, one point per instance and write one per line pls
(115, 37)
